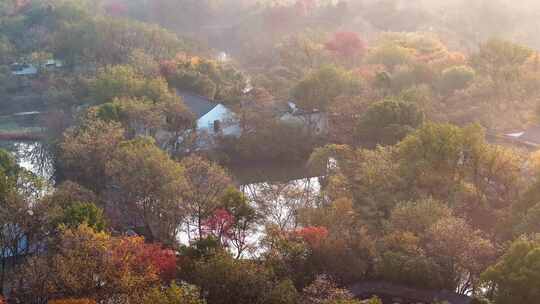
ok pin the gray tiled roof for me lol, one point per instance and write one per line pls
(199, 105)
(408, 294)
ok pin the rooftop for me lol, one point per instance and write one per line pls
(387, 290)
(199, 105)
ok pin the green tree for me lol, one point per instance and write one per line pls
(388, 121)
(124, 81)
(6, 50)
(67, 193)
(164, 121)
(406, 264)
(23, 217)
(530, 222)
(174, 294)
(456, 78)
(8, 164)
(318, 89)
(418, 217)
(283, 293)
(391, 56)
(224, 280)
(244, 219)
(371, 179)
(434, 159)
(217, 81)
(83, 213)
(500, 58)
(8, 83)
(515, 276)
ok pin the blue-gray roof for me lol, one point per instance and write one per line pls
(199, 105)
(384, 290)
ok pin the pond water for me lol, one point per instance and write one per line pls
(278, 190)
(32, 156)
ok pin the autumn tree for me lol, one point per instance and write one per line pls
(279, 203)
(318, 89)
(369, 178)
(83, 263)
(207, 182)
(150, 187)
(324, 290)
(288, 256)
(144, 63)
(345, 112)
(301, 52)
(244, 220)
(340, 242)
(347, 45)
(457, 165)
(218, 227)
(428, 246)
(462, 252)
(87, 148)
(500, 58)
(72, 301)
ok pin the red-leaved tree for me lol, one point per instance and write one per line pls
(138, 257)
(117, 8)
(313, 236)
(346, 45)
(219, 226)
(163, 260)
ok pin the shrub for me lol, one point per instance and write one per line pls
(71, 301)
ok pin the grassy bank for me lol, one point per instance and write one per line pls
(18, 128)
(21, 136)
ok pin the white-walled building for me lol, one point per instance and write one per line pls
(212, 118)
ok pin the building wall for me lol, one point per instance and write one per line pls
(229, 125)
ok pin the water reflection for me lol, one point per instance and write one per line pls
(31, 155)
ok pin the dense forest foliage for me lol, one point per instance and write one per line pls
(400, 108)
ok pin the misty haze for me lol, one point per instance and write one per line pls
(269, 152)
